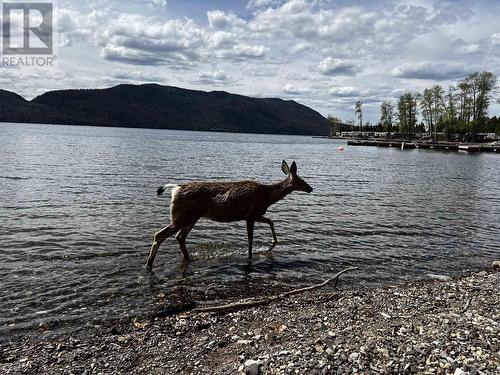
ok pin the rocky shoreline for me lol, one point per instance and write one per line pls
(426, 327)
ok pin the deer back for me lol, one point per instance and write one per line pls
(221, 201)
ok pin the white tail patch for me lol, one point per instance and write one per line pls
(162, 188)
(174, 192)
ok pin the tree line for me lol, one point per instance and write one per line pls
(459, 112)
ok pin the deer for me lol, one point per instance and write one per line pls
(224, 202)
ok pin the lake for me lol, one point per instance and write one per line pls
(78, 213)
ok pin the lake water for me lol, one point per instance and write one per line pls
(78, 213)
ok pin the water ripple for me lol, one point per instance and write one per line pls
(78, 215)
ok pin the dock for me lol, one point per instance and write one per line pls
(409, 145)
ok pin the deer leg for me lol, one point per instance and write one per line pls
(263, 219)
(159, 237)
(250, 225)
(181, 239)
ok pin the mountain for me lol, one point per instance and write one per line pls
(164, 107)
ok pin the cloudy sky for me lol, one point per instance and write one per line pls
(324, 54)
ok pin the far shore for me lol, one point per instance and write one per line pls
(441, 326)
(427, 144)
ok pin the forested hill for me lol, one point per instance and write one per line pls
(165, 107)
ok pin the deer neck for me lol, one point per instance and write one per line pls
(279, 190)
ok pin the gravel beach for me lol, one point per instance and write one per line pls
(438, 326)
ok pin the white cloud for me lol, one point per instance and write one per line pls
(129, 56)
(293, 18)
(346, 91)
(430, 70)
(495, 39)
(301, 47)
(220, 20)
(254, 4)
(334, 67)
(145, 41)
(344, 30)
(74, 27)
(137, 75)
(449, 12)
(139, 40)
(215, 78)
(398, 92)
(159, 3)
(469, 49)
(293, 90)
(243, 52)
(222, 39)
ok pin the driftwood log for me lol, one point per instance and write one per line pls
(268, 300)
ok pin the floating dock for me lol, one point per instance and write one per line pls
(409, 145)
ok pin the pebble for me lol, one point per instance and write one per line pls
(244, 342)
(252, 367)
(319, 348)
(426, 332)
(353, 356)
(439, 277)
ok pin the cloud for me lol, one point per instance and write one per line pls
(398, 93)
(129, 56)
(177, 43)
(343, 30)
(220, 20)
(462, 47)
(293, 90)
(137, 75)
(301, 47)
(469, 49)
(451, 11)
(254, 4)
(222, 39)
(214, 78)
(334, 67)
(495, 39)
(144, 41)
(243, 52)
(293, 18)
(430, 70)
(346, 91)
(162, 4)
(74, 27)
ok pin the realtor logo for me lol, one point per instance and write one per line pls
(27, 29)
(31, 25)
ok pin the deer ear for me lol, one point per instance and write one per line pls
(293, 169)
(284, 167)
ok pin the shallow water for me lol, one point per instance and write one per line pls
(78, 213)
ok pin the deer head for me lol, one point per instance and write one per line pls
(296, 182)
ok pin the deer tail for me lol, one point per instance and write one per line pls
(162, 188)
